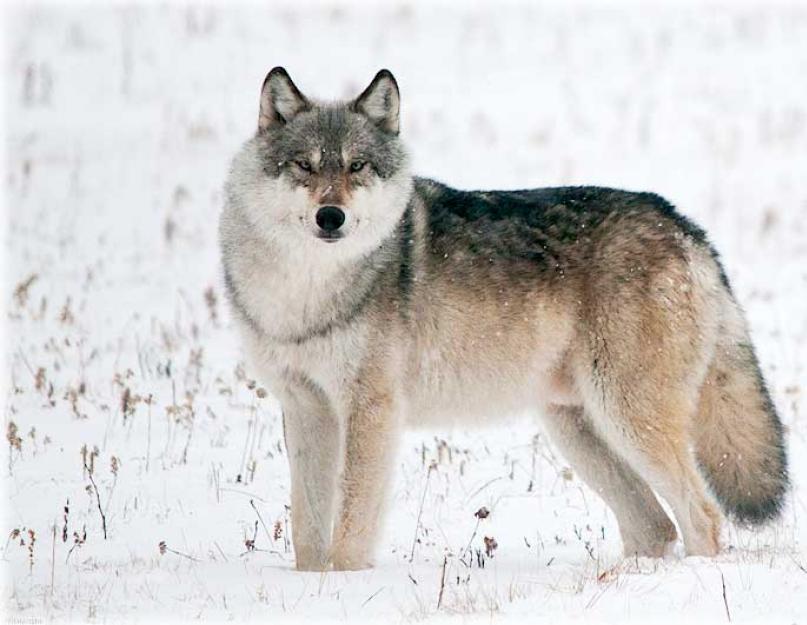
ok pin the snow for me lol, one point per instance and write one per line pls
(120, 122)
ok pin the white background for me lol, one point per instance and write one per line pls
(120, 123)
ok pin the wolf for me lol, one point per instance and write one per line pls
(370, 300)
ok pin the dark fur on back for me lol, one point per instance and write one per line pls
(549, 226)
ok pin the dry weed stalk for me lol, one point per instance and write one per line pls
(442, 582)
(14, 442)
(78, 540)
(164, 548)
(490, 546)
(66, 315)
(31, 543)
(89, 470)
(185, 415)
(13, 535)
(725, 599)
(53, 560)
(66, 516)
(266, 529)
(72, 396)
(39, 379)
(148, 401)
(21, 292)
(482, 513)
(432, 467)
(249, 543)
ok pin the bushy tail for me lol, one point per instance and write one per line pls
(739, 438)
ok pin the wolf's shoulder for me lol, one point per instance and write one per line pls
(547, 207)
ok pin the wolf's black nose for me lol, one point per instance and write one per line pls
(330, 218)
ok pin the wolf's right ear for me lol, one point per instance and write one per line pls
(281, 100)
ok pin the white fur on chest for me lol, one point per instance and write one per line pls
(330, 361)
(287, 295)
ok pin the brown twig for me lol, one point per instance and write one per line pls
(371, 597)
(470, 542)
(431, 468)
(273, 552)
(77, 542)
(53, 559)
(725, 600)
(97, 498)
(165, 548)
(184, 555)
(442, 582)
(265, 529)
(148, 441)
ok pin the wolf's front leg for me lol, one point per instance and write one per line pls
(312, 438)
(371, 441)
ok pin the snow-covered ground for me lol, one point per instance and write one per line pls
(120, 352)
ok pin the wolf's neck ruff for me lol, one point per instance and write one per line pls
(348, 293)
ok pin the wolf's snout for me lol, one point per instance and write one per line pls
(330, 218)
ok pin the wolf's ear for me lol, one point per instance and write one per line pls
(281, 100)
(381, 101)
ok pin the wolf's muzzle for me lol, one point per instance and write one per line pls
(330, 219)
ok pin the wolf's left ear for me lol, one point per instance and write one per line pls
(381, 101)
(281, 100)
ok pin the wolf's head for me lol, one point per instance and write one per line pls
(333, 176)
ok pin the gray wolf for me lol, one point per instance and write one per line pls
(370, 300)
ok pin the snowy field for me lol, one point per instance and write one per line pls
(121, 355)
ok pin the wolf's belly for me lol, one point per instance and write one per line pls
(475, 388)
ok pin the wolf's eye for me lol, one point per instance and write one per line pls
(357, 166)
(303, 164)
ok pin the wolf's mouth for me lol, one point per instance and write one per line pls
(330, 237)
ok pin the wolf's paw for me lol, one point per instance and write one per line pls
(655, 543)
(310, 560)
(311, 566)
(350, 564)
(351, 561)
(649, 550)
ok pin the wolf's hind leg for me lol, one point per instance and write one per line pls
(653, 437)
(649, 339)
(645, 528)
